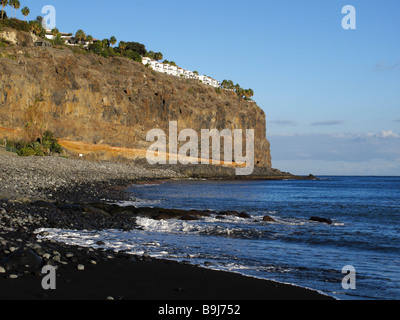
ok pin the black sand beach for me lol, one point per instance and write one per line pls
(62, 193)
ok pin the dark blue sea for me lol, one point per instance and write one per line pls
(365, 232)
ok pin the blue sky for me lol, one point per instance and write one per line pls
(331, 95)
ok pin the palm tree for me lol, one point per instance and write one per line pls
(248, 93)
(122, 46)
(25, 11)
(105, 43)
(80, 35)
(36, 27)
(11, 4)
(89, 38)
(55, 32)
(158, 56)
(113, 41)
(15, 4)
(4, 3)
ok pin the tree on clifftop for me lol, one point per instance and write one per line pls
(55, 32)
(89, 38)
(25, 11)
(37, 28)
(16, 5)
(4, 3)
(113, 41)
(122, 46)
(137, 47)
(80, 35)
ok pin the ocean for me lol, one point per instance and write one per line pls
(365, 232)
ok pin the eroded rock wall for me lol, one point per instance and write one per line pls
(114, 101)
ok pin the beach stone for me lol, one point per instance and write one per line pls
(24, 200)
(189, 218)
(13, 276)
(2, 270)
(227, 213)
(163, 216)
(3, 211)
(89, 209)
(268, 219)
(44, 204)
(244, 215)
(20, 258)
(46, 256)
(146, 257)
(81, 267)
(321, 220)
(70, 207)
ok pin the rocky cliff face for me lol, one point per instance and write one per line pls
(114, 102)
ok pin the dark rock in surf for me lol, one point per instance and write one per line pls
(268, 219)
(244, 215)
(321, 220)
(189, 218)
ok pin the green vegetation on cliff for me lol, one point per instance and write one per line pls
(243, 93)
(45, 145)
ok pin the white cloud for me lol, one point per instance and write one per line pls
(282, 122)
(384, 135)
(328, 123)
(338, 153)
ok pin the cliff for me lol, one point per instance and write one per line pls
(104, 108)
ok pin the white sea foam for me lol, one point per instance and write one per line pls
(138, 203)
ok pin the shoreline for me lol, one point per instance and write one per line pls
(56, 186)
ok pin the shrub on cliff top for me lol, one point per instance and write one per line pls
(132, 55)
(15, 24)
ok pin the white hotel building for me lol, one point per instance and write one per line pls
(179, 72)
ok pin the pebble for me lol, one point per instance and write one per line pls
(2, 270)
(13, 276)
(81, 267)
